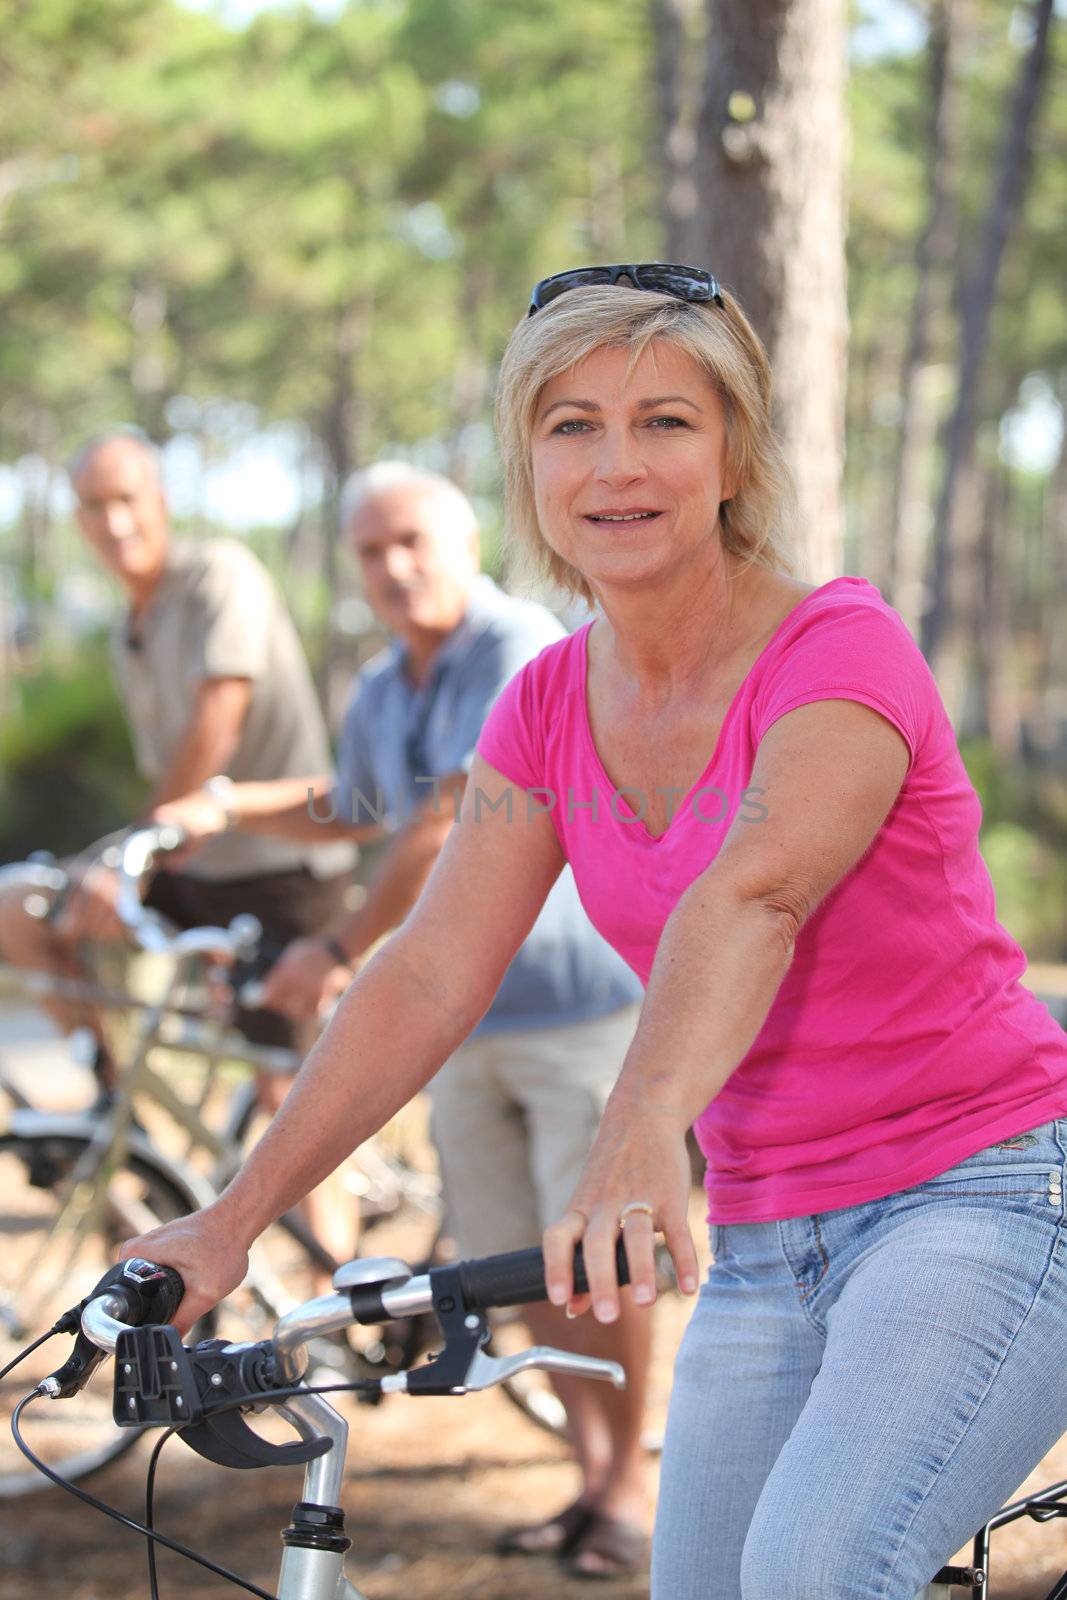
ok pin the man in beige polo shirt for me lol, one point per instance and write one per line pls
(216, 687)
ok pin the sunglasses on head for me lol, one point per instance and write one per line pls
(684, 283)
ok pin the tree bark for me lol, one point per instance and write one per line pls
(342, 437)
(470, 379)
(909, 513)
(772, 140)
(1052, 597)
(997, 711)
(975, 309)
(683, 228)
(148, 363)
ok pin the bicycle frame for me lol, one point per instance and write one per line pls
(162, 1022)
(1041, 1507)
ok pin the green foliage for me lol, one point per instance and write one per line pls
(331, 223)
(1030, 879)
(66, 770)
(1022, 844)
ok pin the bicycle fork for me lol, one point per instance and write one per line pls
(315, 1541)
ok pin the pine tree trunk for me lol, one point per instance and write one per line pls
(906, 553)
(683, 228)
(997, 708)
(1053, 599)
(470, 376)
(976, 306)
(342, 438)
(772, 145)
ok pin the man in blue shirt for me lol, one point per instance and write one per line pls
(515, 1110)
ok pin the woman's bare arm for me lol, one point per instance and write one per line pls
(408, 1009)
(829, 775)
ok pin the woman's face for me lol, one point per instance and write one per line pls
(629, 469)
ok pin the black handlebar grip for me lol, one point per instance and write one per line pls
(518, 1278)
(169, 1292)
(143, 1292)
(152, 1293)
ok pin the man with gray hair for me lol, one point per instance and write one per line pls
(216, 688)
(515, 1110)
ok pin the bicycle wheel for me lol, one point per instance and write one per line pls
(52, 1250)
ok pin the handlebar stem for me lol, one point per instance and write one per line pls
(313, 1418)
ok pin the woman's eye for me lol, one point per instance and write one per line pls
(571, 425)
(668, 424)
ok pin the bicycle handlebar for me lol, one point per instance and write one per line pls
(137, 855)
(128, 1295)
(489, 1283)
(367, 1291)
(201, 1391)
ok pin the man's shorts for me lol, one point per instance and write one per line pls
(513, 1117)
(289, 905)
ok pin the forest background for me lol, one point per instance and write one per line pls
(286, 241)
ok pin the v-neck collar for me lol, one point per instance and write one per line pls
(632, 823)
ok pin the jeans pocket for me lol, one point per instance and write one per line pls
(1027, 1167)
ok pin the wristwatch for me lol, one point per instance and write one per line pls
(220, 789)
(336, 949)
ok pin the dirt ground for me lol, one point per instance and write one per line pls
(430, 1485)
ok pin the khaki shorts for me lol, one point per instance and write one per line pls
(513, 1117)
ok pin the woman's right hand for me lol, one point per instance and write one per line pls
(204, 1249)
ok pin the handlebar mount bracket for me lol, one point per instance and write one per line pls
(161, 1383)
(155, 1385)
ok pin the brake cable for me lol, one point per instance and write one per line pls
(30, 1348)
(145, 1529)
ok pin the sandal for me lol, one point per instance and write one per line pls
(556, 1537)
(608, 1547)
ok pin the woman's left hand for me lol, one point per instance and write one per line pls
(636, 1179)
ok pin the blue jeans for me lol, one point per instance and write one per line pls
(858, 1391)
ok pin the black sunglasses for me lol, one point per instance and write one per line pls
(684, 283)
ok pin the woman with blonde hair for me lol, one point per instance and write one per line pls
(762, 800)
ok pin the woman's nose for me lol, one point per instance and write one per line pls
(619, 459)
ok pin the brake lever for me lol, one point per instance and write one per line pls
(485, 1370)
(463, 1363)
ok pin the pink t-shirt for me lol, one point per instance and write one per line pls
(900, 1040)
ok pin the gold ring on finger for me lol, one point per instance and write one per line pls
(634, 1208)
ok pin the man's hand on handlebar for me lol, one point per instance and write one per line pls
(197, 814)
(203, 1248)
(91, 910)
(305, 980)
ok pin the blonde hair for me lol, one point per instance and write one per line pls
(720, 339)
